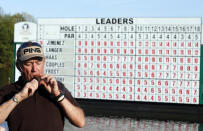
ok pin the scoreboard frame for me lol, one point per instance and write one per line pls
(64, 32)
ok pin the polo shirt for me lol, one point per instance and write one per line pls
(39, 112)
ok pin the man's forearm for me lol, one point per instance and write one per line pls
(7, 107)
(74, 113)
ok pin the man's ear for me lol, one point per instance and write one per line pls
(19, 66)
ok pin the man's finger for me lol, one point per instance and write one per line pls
(44, 76)
(29, 92)
(49, 78)
(53, 81)
(43, 83)
(34, 82)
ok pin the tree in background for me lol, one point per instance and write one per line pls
(7, 22)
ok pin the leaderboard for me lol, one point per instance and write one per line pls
(125, 59)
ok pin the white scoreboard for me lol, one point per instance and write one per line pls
(126, 59)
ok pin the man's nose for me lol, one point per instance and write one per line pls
(34, 67)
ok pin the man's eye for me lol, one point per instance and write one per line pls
(38, 62)
(28, 64)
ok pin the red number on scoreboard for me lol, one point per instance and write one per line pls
(180, 99)
(91, 87)
(166, 98)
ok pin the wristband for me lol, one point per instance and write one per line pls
(15, 99)
(60, 97)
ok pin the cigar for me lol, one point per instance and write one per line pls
(39, 80)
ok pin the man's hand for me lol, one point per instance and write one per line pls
(74, 113)
(50, 84)
(28, 90)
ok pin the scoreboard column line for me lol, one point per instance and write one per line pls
(135, 63)
(74, 84)
(201, 77)
(201, 69)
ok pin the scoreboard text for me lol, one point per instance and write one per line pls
(128, 59)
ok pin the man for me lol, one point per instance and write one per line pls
(37, 102)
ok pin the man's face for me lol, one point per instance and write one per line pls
(33, 67)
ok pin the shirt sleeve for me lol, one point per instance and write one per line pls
(67, 94)
(5, 94)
